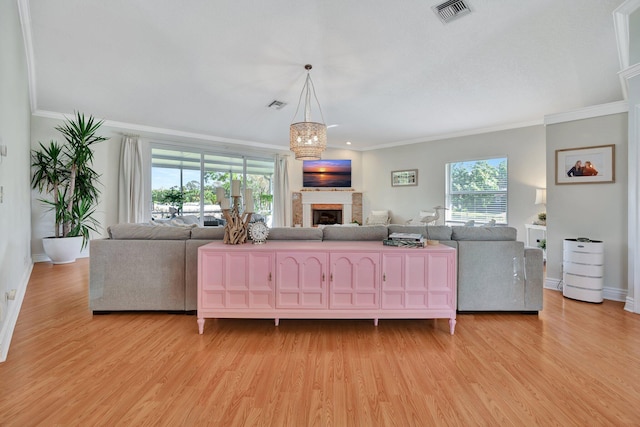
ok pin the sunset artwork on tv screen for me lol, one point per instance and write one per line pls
(326, 173)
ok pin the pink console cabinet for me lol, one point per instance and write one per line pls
(326, 280)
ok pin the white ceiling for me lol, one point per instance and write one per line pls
(385, 72)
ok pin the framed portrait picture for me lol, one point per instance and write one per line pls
(586, 165)
(404, 178)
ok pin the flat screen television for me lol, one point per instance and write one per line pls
(326, 173)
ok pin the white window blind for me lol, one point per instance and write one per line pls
(477, 190)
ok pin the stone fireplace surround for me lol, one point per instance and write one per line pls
(303, 201)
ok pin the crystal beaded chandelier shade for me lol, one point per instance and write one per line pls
(308, 139)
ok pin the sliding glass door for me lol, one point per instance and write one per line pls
(185, 182)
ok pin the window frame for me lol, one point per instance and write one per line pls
(449, 194)
(202, 152)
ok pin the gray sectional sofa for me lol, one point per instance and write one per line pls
(143, 268)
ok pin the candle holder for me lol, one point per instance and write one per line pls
(237, 226)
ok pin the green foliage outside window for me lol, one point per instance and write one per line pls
(478, 190)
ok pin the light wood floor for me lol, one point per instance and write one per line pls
(575, 364)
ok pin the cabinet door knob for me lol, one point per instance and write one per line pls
(269, 276)
(323, 277)
(331, 277)
(384, 277)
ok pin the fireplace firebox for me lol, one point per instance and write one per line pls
(326, 214)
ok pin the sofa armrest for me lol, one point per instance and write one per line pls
(489, 278)
(137, 275)
(191, 273)
(534, 269)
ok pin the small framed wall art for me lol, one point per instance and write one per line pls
(404, 178)
(586, 165)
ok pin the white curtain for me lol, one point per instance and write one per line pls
(131, 181)
(281, 197)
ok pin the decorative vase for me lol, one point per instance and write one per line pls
(62, 250)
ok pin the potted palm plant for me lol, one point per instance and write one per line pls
(65, 175)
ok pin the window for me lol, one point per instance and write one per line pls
(184, 182)
(477, 190)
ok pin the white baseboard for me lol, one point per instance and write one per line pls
(42, 257)
(630, 305)
(553, 284)
(13, 310)
(613, 294)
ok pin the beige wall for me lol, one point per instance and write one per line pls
(596, 211)
(524, 149)
(15, 228)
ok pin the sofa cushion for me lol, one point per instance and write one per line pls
(207, 233)
(413, 229)
(188, 219)
(439, 232)
(366, 232)
(295, 233)
(147, 232)
(431, 232)
(483, 233)
(173, 222)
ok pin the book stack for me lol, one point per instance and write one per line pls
(411, 240)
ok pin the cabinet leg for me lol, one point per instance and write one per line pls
(277, 321)
(201, 325)
(452, 325)
(375, 322)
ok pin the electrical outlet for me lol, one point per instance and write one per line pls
(3, 151)
(11, 294)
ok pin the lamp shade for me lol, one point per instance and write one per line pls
(308, 140)
(541, 196)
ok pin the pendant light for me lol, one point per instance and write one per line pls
(308, 139)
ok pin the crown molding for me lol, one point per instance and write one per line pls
(151, 132)
(587, 113)
(621, 29)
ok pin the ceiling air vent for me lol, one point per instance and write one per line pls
(450, 10)
(276, 105)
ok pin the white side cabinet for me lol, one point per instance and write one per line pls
(583, 270)
(539, 231)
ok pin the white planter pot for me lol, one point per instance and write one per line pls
(62, 250)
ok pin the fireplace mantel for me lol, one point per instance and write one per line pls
(351, 204)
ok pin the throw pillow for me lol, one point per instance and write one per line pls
(377, 219)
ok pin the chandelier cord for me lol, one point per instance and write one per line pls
(308, 82)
